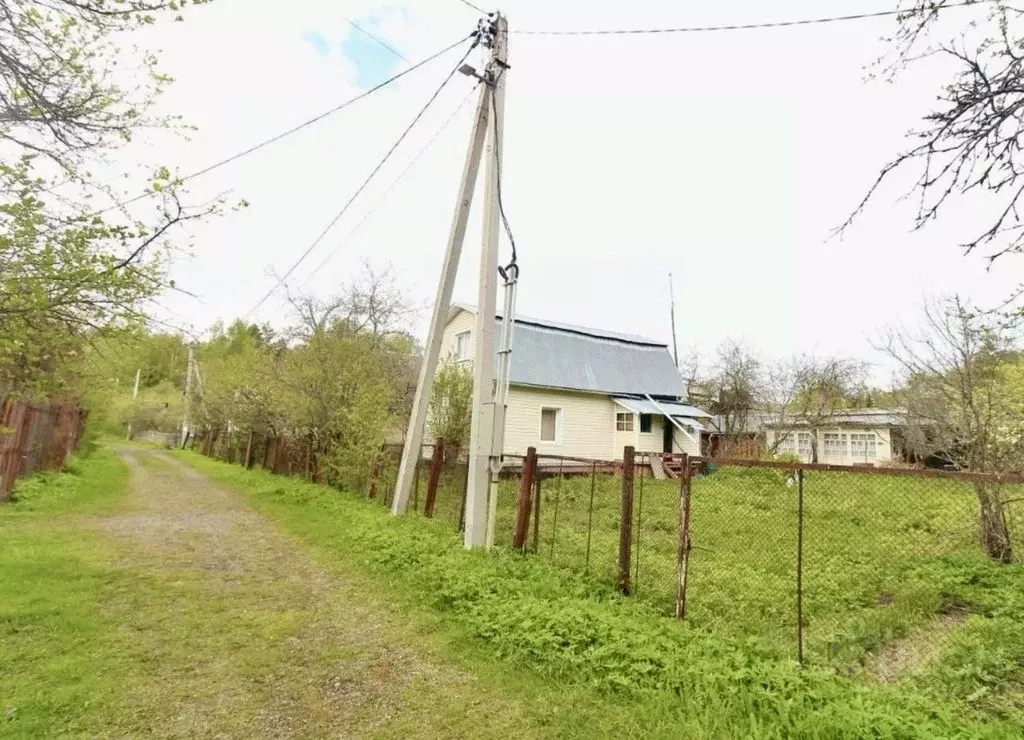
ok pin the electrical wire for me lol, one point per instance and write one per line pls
(477, 8)
(380, 41)
(743, 26)
(351, 200)
(304, 124)
(497, 168)
(391, 187)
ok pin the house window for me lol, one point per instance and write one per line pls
(785, 445)
(863, 447)
(624, 422)
(646, 423)
(835, 447)
(462, 346)
(550, 425)
(803, 446)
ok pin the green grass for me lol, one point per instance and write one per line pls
(622, 668)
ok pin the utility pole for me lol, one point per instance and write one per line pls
(188, 393)
(135, 394)
(442, 302)
(482, 439)
(493, 33)
(672, 303)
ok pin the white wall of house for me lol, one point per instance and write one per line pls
(838, 445)
(585, 423)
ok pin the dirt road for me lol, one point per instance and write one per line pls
(258, 639)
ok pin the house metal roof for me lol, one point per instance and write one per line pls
(547, 354)
(757, 421)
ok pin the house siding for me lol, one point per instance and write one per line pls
(462, 321)
(584, 425)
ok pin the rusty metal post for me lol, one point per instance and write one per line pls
(800, 567)
(639, 526)
(374, 475)
(436, 462)
(417, 464)
(558, 496)
(523, 500)
(462, 506)
(685, 481)
(536, 513)
(590, 516)
(626, 520)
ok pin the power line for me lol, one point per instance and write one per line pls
(392, 186)
(742, 26)
(304, 124)
(351, 200)
(497, 167)
(477, 8)
(380, 41)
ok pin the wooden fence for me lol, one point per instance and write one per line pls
(35, 436)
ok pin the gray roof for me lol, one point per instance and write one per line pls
(547, 354)
(757, 421)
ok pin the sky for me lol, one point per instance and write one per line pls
(725, 159)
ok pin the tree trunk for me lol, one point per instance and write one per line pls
(995, 534)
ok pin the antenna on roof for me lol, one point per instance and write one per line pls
(672, 304)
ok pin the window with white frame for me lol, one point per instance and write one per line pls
(835, 446)
(786, 444)
(646, 423)
(624, 422)
(863, 447)
(550, 425)
(462, 346)
(803, 446)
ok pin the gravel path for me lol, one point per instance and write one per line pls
(273, 643)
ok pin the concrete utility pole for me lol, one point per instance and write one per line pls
(188, 393)
(481, 435)
(493, 32)
(135, 394)
(442, 302)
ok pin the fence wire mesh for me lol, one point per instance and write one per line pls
(856, 568)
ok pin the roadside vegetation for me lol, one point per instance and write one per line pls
(573, 631)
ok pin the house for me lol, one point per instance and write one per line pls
(585, 393)
(850, 437)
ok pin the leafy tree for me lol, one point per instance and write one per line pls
(450, 404)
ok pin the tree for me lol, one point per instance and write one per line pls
(970, 142)
(68, 272)
(962, 387)
(809, 391)
(450, 404)
(739, 382)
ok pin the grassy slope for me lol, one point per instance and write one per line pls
(617, 665)
(51, 627)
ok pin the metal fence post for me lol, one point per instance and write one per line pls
(684, 537)
(558, 495)
(639, 527)
(436, 461)
(536, 513)
(523, 501)
(626, 520)
(590, 517)
(800, 567)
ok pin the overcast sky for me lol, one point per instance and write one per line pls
(725, 158)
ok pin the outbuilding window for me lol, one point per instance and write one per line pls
(624, 422)
(550, 425)
(646, 423)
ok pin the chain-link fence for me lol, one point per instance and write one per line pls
(35, 436)
(855, 567)
(858, 568)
